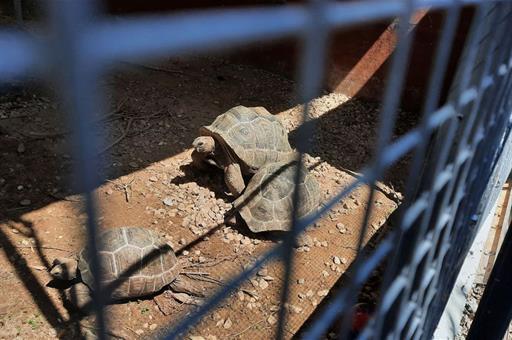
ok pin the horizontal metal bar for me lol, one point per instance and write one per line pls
(19, 55)
(413, 212)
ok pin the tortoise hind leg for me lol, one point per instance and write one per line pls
(234, 179)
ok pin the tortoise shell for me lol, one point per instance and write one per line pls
(267, 202)
(254, 136)
(142, 262)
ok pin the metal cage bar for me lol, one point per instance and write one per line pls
(443, 203)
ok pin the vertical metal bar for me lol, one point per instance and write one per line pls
(77, 75)
(461, 190)
(392, 95)
(18, 12)
(312, 71)
(433, 93)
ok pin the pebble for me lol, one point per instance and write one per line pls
(25, 202)
(263, 272)
(323, 292)
(245, 241)
(133, 164)
(263, 284)
(182, 241)
(185, 252)
(343, 260)
(300, 281)
(336, 260)
(139, 331)
(109, 192)
(21, 148)
(241, 295)
(309, 293)
(271, 320)
(153, 326)
(305, 240)
(228, 323)
(153, 179)
(325, 273)
(168, 201)
(196, 337)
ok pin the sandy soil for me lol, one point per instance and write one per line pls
(154, 116)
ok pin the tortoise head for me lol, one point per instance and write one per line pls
(64, 269)
(204, 144)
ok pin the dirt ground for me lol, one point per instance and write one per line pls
(154, 116)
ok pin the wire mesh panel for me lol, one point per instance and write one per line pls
(460, 148)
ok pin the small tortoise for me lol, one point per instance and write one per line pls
(135, 261)
(241, 141)
(267, 203)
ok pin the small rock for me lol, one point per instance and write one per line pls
(133, 164)
(241, 295)
(300, 281)
(139, 331)
(323, 292)
(245, 241)
(309, 293)
(185, 252)
(343, 260)
(196, 337)
(263, 284)
(182, 241)
(21, 148)
(153, 179)
(271, 320)
(25, 202)
(336, 260)
(109, 192)
(263, 272)
(325, 273)
(168, 201)
(228, 323)
(153, 326)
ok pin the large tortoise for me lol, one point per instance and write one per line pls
(241, 141)
(135, 262)
(267, 203)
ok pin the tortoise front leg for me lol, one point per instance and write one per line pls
(234, 179)
(80, 296)
(198, 160)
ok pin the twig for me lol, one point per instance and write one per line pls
(125, 187)
(44, 247)
(154, 68)
(125, 132)
(246, 329)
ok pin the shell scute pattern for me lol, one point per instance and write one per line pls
(143, 263)
(267, 202)
(256, 139)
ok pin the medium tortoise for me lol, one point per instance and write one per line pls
(267, 203)
(134, 261)
(241, 141)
